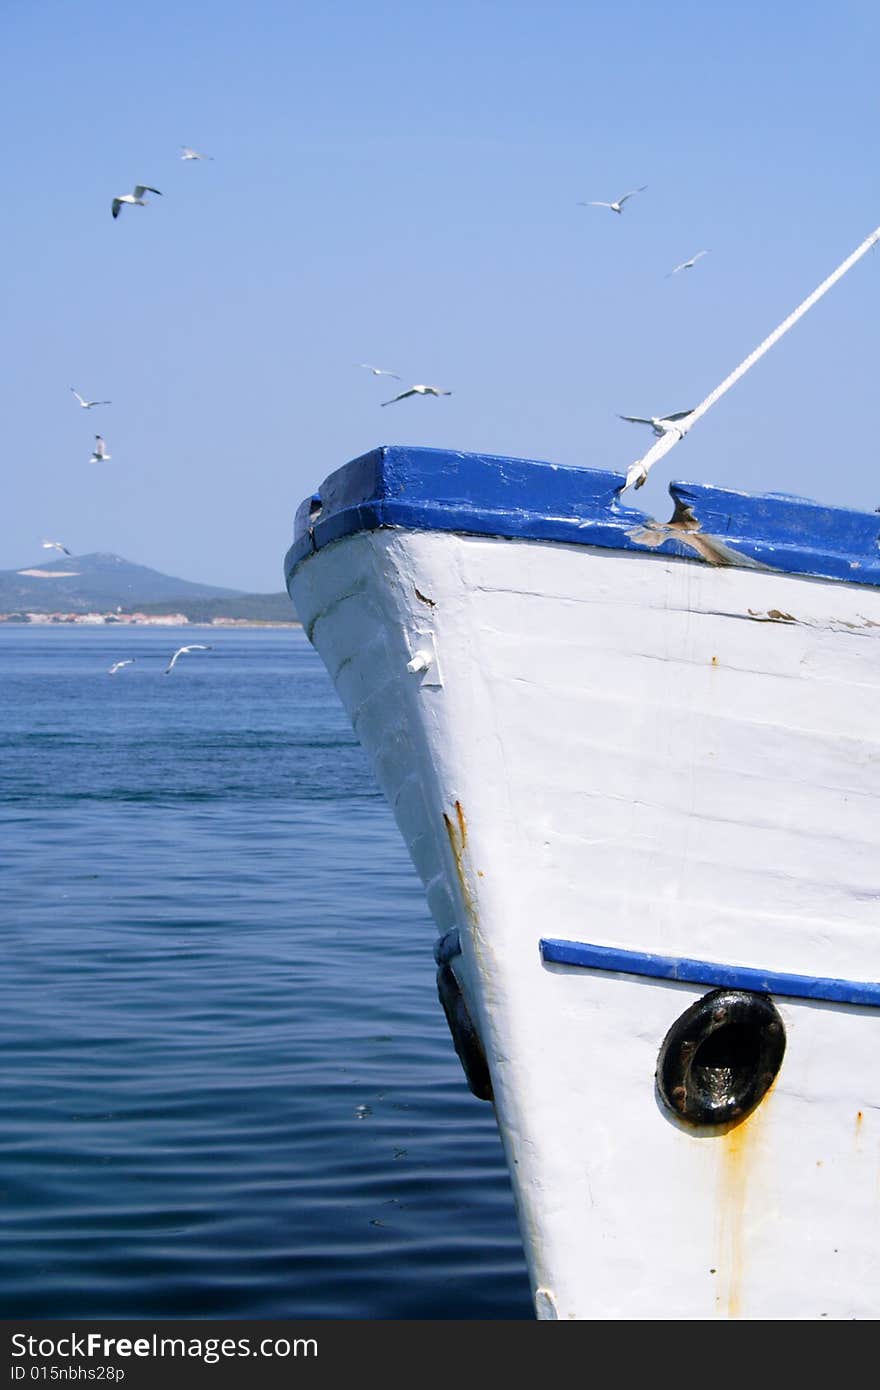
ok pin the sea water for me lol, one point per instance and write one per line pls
(228, 1089)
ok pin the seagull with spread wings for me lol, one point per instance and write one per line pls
(686, 265)
(192, 154)
(181, 651)
(660, 424)
(99, 453)
(56, 545)
(378, 371)
(87, 405)
(418, 391)
(618, 205)
(136, 197)
(118, 665)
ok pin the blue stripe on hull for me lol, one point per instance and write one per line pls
(523, 499)
(703, 972)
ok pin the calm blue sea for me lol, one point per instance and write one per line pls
(228, 1089)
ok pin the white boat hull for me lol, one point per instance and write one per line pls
(662, 756)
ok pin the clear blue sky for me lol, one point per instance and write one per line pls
(396, 183)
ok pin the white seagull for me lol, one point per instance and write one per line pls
(56, 545)
(686, 265)
(618, 205)
(660, 424)
(118, 665)
(181, 651)
(136, 197)
(99, 453)
(418, 391)
(87, 405)
(377, 371)
(192, 154)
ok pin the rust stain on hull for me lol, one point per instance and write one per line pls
(462, 824)
(456, 830)
(737, 1160)
(732, 1186)
(457, 833)
(773, 615)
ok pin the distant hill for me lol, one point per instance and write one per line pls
(103, 583)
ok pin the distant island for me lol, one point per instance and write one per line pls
(105, 588)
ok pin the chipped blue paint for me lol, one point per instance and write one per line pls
(523, 499)
(704, 972)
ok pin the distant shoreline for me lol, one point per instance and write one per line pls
(92, 620)
(103, 588)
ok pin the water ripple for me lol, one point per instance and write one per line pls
(229, 1090)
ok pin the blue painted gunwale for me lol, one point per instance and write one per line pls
(524, 499)
(703, 972)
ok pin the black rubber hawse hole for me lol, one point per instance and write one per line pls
(720, 1058)
(465, 1038)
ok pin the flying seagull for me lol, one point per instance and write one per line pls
(378, 371)
(618, 205)
(136, 197)
(686, 265)
(660, 424)
(99, 453)
(192, 154)
(56, 545)
(181, 651)
(118, 665)
(418, 391)
(87, 405)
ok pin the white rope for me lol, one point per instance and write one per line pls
(638, 472)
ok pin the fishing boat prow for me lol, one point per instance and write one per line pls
(635, 763)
